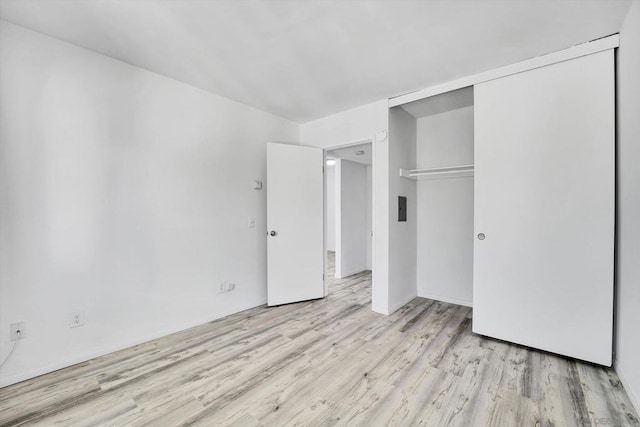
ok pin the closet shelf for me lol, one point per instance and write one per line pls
(437, 173)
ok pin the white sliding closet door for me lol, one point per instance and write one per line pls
(544, 203)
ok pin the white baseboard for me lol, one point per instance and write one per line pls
(391, 309)
(111, 349)
(350, 273)
(380, 310)
(404, 301)
(631, 392)
(446, 299)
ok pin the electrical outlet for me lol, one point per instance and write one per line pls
(231, 287)
(18, 331)
(76, 319)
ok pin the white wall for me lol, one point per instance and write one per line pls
(369, 217)
(627, 318)
(124, 194)
(361, 124)
(351, 218)
(356, 125)
(402, 235)
(330, 208)
(445, 208)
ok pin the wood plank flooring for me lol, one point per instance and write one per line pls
(326, 362)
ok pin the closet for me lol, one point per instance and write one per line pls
(443, 175)
(514, 199)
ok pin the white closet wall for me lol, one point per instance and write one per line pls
(402, 235)
(445, 208)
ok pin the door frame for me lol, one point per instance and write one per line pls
(371, 141)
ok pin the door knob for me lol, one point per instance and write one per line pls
(481, 236)
(272, 233)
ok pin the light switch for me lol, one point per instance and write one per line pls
(252, 222)
(257, 185)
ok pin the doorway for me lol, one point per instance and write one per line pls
(349, 211)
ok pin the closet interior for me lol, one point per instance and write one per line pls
(442, 170)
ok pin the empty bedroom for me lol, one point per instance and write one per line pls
(320, 212)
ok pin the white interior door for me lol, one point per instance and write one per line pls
(295, 222)
(544, 203)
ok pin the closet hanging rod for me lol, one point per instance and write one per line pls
(435, 173)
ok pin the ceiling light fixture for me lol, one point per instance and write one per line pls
(331, 162)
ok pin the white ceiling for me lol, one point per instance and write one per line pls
(440, 103)
(349, 153)
(308, 59)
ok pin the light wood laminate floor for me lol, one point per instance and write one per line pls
(326, 362)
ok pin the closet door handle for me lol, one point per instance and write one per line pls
(481, 236)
